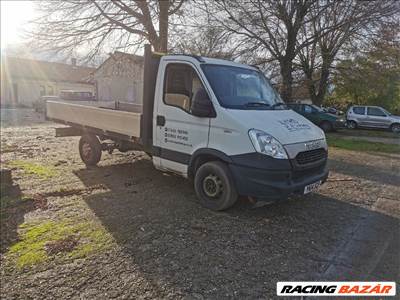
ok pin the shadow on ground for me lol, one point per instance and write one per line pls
(171, 240)
(12, 211)
(371, 173)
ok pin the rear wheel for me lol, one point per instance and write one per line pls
(351, 125)
(214, 186)
(326, 126)
(395, 128)
(90, 149)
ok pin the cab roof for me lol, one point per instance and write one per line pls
(208, 60)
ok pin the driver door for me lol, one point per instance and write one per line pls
(179, 133)
(377, 118)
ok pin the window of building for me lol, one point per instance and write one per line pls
(50, 90)
(42, 90)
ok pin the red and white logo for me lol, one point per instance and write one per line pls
(343, 288)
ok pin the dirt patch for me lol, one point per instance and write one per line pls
(141, 233)
(64, 245)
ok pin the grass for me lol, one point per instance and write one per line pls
(369, 133)
(34, 168)
(30, 249)
(358, 145)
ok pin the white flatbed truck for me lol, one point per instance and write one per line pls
(218, 122)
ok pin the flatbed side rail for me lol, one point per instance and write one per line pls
(78, 130)
(107, 120)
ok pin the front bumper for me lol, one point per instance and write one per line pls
(278, 180)
(339, 124)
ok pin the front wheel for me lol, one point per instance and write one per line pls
(326, 126)
(395, 128)
(214, 186)
(90, 149)
(351, 125)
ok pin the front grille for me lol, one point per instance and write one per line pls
(311, 156)
(304, 173)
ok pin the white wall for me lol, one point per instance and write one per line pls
(120, 78)
(119, 89)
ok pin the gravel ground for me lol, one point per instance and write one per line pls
(158, 242)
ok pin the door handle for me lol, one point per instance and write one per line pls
(160, 121)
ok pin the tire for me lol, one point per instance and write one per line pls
(90, 149)
(326, 126)
(351, 125)
(395, 128)
(214, 186)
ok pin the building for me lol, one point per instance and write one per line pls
(23, 81)
(120, 78)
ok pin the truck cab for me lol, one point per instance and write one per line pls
(214, 116)
(218, 122)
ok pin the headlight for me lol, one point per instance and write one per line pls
(267, 144)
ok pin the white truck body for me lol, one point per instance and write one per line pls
(191, 117)
(105, 119)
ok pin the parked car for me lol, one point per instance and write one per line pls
(372, 117)
(76, 95)
(325, 120)
(67, 95)
(332, 110)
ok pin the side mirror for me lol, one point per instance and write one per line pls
(202, 106)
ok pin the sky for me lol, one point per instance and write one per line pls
(14, 18)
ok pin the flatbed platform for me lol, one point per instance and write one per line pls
(107, 119)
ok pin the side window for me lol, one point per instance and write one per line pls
(181, 84)
(374, 111)
(359, 110)
(307, 109)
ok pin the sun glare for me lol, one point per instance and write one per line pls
(15, 16)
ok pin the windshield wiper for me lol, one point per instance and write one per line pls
(278, 104)
(255, 104)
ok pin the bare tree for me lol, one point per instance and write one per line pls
(269, 27)
(207, 41)
(343, 22)
(67, 25)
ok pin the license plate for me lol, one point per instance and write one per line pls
(312, 187)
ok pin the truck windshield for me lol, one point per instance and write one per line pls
(241, 88)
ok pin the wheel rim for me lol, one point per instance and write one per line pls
(351, 125)
(396, 128)
(86, 150)
(212, 186)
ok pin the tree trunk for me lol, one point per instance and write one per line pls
(323, 85)
(287, 81)
(163, 26)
